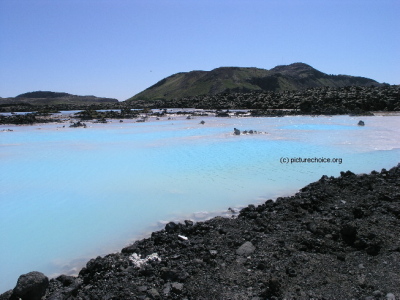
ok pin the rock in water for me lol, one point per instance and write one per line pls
(31, 286)
(246, 249)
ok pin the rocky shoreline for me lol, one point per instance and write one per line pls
(353, 100)
(337, 238)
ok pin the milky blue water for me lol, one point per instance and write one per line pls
(70, 194)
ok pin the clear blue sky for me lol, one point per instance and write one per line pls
(117, 48)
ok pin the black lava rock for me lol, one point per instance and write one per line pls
(31, 286)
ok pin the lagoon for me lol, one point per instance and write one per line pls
(70, 194)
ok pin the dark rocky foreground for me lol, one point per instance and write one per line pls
(318, 101)
(337, 238)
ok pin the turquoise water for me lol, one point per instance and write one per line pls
(70, 194)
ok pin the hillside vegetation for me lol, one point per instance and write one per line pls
(52, 98)
(293, 77)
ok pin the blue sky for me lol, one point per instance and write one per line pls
(117, 48)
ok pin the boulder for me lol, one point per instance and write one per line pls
(188, 223)
(66, 280)
(171, 226)
(177, 287)
(130, 249)
(153, 294)
(246, 249)
(6, 295)
(390, 296)
(31, 286)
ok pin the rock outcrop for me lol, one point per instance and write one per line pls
(30, 286)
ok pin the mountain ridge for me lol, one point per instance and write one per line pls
(53, 98)
(296, 76)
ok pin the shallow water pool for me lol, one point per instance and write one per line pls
(70, 194)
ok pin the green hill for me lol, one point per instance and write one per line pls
(295, 76)
(54, 98)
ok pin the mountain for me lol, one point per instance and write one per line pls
(53, 98)
(295, 76)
